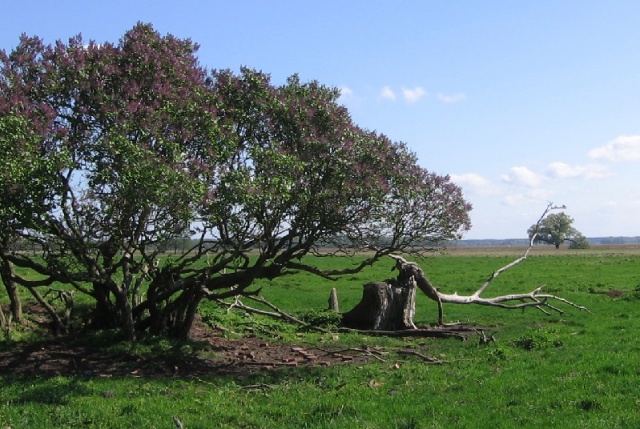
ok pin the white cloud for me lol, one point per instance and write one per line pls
(410, 95)
(623, 148)
(560, 170)
(523, 176)
(534, 196)
(346, 93)
(413, 95)
(474, 183)
(453, 98)
(388, 93)
(470, 179)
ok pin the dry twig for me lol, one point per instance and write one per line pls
(427, 359)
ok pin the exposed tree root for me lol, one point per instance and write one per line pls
(437, 332)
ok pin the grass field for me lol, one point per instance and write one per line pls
(571, 370)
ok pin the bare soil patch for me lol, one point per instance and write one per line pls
(217, 356)
(67, 356)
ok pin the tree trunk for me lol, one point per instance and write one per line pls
(15, 305)
(57, 323)
(388, 305)
(116, 313)
(3, 319)
(126, 315)
(103, 314)
(170, 316)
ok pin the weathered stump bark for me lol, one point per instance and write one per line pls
(333, 301)
(387, 305)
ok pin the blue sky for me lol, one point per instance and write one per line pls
(521, 102)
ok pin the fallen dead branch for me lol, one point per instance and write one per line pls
(259, 386)
(277, 313)
(425, 358)
(418, 332)
(411, 271)
(375, 352)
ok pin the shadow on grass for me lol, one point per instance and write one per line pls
(54, 368)
(43, 390)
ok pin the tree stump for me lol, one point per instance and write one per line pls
(333, 301)
(388, 305)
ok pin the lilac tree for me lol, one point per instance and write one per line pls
(122, 118)
(28, 185)
(141, 145)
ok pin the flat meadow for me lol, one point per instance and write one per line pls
(575, 369)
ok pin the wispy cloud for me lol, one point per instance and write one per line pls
(346, 94)
(560, 170)
(452, 98)
(473, 182)
(523, 176)
(387, 93)
(623, 148)
(413, 94)
(472, 179)
(522, 198)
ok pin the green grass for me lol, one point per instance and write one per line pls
(576, 370)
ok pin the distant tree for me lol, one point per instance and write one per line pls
(131, 145)
(579, 242)
(555, 229)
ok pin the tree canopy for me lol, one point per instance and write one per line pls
(109, 152)
(555, 229)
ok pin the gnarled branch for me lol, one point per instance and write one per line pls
(534, 298)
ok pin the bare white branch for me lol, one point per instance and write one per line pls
(535, 298)
(277, 313)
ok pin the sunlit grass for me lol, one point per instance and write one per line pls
(571, 370)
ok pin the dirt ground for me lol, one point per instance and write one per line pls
(66, 356)
(235, 357)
